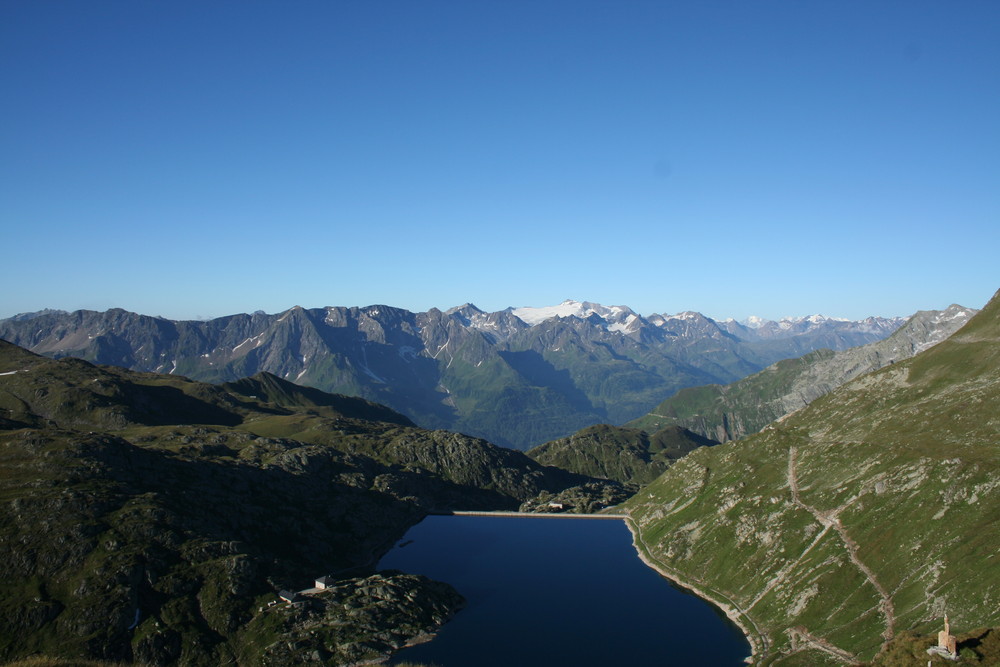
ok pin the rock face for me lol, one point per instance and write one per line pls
(868, 513)
(152, 518)
(517, 377)
(627, 455)
(733, 411)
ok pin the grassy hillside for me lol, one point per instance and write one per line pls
(869, 513)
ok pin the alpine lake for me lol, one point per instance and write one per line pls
(549, 592)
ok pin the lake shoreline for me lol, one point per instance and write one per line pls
(756, 639)
(574, 568)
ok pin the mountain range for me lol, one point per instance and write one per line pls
(517, 377)
(729, 412)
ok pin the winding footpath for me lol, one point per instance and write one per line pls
(831, 519)
(801, 638)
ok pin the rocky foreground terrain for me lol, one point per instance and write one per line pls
(152, 519)
(845, 532)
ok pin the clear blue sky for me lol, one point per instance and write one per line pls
(195, 159)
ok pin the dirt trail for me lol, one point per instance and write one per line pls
(802, 639)
(831, 519)
(787, 569)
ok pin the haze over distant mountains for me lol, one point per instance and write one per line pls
(518, 377)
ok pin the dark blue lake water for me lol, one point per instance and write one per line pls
(553, 592)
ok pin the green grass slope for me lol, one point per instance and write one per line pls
(871, 512)
(272, 389)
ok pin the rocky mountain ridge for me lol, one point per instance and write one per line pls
(515, 380)
(627, 455)
(743, 407)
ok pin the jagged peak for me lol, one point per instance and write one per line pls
(813, 319)
(294, 310)
(376, 309)
(465, 309)
(687, 315)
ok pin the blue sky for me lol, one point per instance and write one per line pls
(193, 159)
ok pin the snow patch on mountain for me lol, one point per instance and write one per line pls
(256, 338)
(953, 313)
(630, 324)
(946, 322)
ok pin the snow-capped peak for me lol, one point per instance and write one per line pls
(814, 319)
(754, 322)
(531, 315)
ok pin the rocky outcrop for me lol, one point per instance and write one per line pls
(588, 498)
(627, 455)
(357, 621)
(159, 551)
